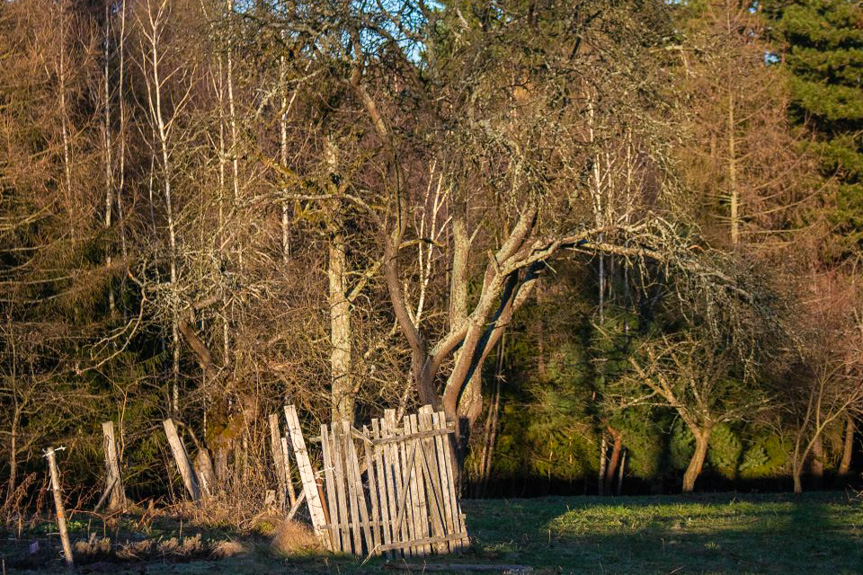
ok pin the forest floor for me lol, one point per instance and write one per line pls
(705, 534)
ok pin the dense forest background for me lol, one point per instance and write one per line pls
(612, 240)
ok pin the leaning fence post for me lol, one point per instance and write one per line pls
(58, 503)
(114, 489)
(182, 459)
(307, 474)
(278, 460)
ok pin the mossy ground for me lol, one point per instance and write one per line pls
(704, 534)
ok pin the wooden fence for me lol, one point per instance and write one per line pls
(388, 490)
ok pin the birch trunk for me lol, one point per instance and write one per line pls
(64, 117)
(733, 192)
(109, 176)
(156, 22)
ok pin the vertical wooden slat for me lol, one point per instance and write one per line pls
(354, 466)
(408, 488)
(385, 486)
(456, 508)
(286, 458)
(418, 487)
(394, 455)
(376, 522)
(307, 475)
(346, 445)
(439, 422)
(403, 506)
(326, 448)
(434, 494)
(341, 497)
(278, 458)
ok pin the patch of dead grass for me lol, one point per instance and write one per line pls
(292, 538)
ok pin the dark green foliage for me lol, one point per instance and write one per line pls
(765, 455)
(822, 45)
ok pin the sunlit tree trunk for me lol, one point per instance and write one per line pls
(109, 175)
(613, 461)
(847, 447)
(342, 393)
(816, 466)
(693, 470)
(156, 23)
(733, 192)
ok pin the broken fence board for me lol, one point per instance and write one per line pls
(114, 484)
(184, 466)
(307, 474)
(326, 448)
(278, 458)
(375, 516)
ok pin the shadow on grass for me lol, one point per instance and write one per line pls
(818, 533)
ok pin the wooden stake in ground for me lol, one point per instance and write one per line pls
(114, 485)
(278, 458)
(58, 503)
(190, 479)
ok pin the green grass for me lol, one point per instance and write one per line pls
(705, 534)
(817, 533)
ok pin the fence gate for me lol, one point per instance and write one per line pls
(389, 489)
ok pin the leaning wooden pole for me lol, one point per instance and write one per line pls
(58, 504)
(278, 458)
(114, 484)
(184, 466)
(307, 474)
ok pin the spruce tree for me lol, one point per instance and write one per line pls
(822, 46)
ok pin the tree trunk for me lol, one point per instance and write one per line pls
(816, 466)
(613, 460)
(733, 193)
(109, 176)
(620, 473)
(702, 439)
(796, 470)
(847, 447)
(603, 447)
(342, 400)
(13, 445)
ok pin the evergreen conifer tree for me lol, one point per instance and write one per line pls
(822, 46)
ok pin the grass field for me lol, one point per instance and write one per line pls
(723, 533)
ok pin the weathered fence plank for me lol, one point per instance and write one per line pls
(307, 474)
(278, 459)
(373, 490)
(184, 466)
(58, 505)
(326, 448)
(114, 482)
(292, 494)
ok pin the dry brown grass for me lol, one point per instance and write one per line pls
(225, 549)
(292, 538)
